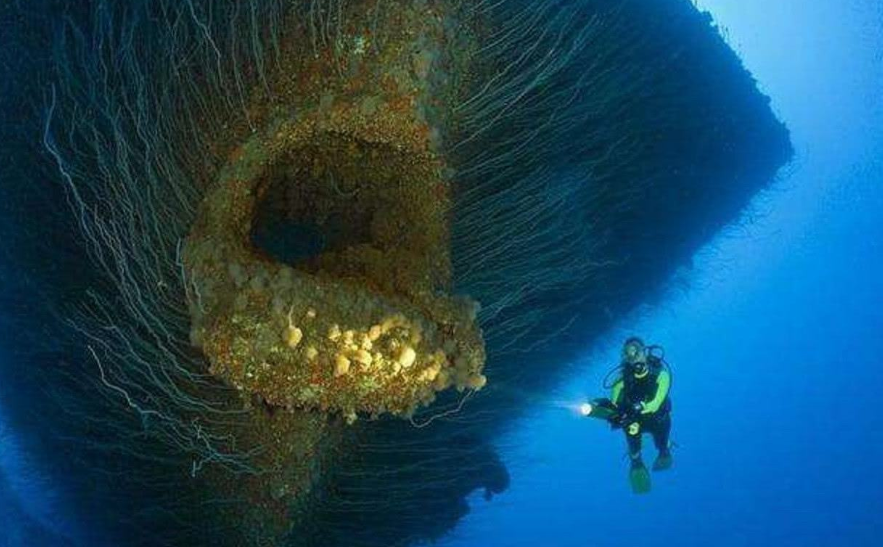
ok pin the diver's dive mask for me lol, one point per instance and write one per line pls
(634, 357)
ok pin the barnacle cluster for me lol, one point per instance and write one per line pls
(365, 322)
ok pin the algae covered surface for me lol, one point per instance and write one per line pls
(369, 324)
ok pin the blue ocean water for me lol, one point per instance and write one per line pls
(774, 336)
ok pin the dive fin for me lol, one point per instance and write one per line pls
(639, 478)
(663, 461)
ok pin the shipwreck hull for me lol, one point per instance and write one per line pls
(332, 249)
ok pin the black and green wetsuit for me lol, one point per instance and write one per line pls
(651, 392)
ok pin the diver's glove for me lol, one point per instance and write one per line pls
(621, 418)
(627, 414)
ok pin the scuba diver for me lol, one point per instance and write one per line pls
(639, 403)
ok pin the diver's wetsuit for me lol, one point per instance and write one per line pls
(652, 391)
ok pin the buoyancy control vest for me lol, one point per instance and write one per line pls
(643, 390)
